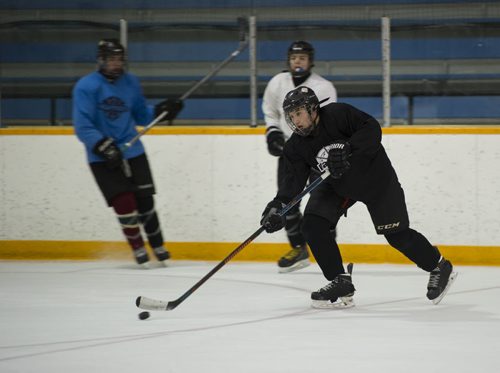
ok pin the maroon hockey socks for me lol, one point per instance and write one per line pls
(125, 206)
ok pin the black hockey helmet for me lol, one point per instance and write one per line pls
(303, 47)
(110, 47)
(298, 98)
(106, 49)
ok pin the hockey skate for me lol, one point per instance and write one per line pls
(141, 257)
(161, 253)
(337, 294)
(295, 259)
(440, 280)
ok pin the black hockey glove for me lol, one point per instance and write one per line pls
(172, 107)
(271, 220)
(107, 149)
(275, 142)
(338, 158)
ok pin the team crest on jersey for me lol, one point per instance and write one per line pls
(113, 107)
(322, 157)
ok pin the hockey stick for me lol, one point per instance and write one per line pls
(243, 44)
(159, 305)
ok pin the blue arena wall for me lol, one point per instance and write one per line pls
(334, 50)
(424, 107)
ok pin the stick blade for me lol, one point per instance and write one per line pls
(150, 304)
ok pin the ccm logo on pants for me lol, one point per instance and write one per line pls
(387, 226)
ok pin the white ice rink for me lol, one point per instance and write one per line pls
(78, 317)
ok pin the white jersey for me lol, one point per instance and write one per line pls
(276, 90)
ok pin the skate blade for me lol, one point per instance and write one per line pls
(299, 265)
(144, 265)
(452, 278)
(162, 258)
(342, 303)
(162, 263)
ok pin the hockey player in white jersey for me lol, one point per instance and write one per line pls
(300, 61)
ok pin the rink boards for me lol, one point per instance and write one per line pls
(213, 182)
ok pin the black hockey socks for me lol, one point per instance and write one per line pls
(415, 247)
(125, 207)
(316, 230)
(149, 220)
(293, 228)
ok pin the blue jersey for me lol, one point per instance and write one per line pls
(104, 109)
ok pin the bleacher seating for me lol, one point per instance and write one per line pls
(433, 69)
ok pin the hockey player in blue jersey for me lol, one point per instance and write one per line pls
(107, 106)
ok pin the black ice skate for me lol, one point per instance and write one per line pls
(294, 260)
(440, 280)
(336, 294)
(141, 257)
(161, 254)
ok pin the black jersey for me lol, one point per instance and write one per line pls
(371, 170)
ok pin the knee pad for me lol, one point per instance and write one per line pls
(146, 207)
(125, 206)
(145, 204)
(313, 225)
(401, 240)
(124, 203)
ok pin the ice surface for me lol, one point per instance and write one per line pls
(81, 317)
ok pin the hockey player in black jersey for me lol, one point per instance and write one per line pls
(347, 142)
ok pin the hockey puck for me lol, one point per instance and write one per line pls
(144, 315)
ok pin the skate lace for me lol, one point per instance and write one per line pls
(292, 254)
(434, 279)
(331, 285)
(328, 286)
